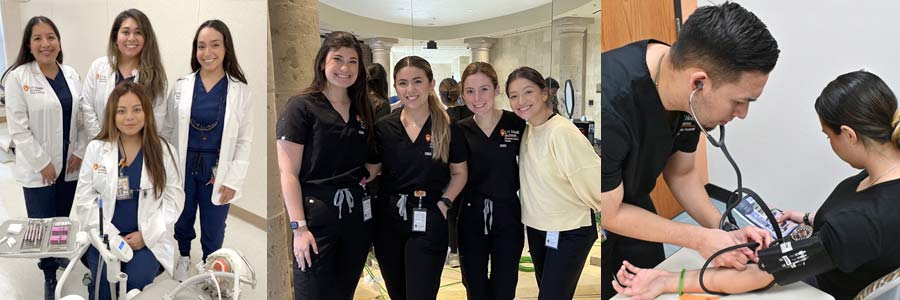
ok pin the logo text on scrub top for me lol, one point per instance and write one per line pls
(687, 125)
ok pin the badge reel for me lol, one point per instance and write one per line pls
(123, 189)
(367, 202)
(419, 213)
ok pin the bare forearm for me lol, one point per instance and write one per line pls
(725, 280)
(638, 223)
(293, 197)
(457, 182)
(690, 193)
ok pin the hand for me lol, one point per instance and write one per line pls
(640, 283)
(48, 174)
(74, 164)
(714, 240)
(304, 241)
(792, 215)
(135, 240)
(443, 208)
(754, 234)
(227, 195)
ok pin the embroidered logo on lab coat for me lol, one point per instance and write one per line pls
(99, 77)
(96, 166)
(33, 90)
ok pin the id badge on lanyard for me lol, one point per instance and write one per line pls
(552, 240)
(367, 202)
(123, 189)
(420, 215)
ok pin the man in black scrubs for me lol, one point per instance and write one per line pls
(721, 60)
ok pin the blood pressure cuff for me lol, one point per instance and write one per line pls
(793, 261)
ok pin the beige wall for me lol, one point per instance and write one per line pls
(84, 29)
(525, 49)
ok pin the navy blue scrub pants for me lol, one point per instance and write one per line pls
(343, 239)
(557, 270)
(198, 193)
(141, 270)
(411, 262)
(51, 201)
(501, 245)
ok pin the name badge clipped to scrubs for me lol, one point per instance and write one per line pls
(367, 202)
(552, 239)
(123, 189)
(420, 215)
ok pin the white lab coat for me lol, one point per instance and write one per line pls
(35, 123)
(237, 135)
(99, 82)
(98, 178)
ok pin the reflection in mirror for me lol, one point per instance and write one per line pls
(450, 35)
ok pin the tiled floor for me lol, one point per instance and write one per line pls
(21, 279)
(453, 289)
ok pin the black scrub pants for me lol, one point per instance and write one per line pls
(453, 223)
(343, 239)
(616, 248)
(557, 270)
(501, 245)
(411, 262)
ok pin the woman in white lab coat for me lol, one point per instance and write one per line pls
(44, 125)
(209, 120)
(132, 54)
(133, 170)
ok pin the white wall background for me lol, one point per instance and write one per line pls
(780, 148)
(84, 29)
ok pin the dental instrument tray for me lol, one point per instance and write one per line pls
(38, 238)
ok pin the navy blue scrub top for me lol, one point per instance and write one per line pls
(61, 88)
(207, 108)
(125, 218)
(120, 78)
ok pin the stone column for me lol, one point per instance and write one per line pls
(293, 43)
(570, 32)
(381, 51)
(481, 48)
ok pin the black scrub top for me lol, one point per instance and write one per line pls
(61, 88)
(460, 112)
(860, 232)
(334, 152)
(408, 166)
(493, 164)
(639, 135)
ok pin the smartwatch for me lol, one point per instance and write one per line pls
(297, 224)
(447, 202)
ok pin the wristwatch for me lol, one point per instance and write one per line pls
(447, 202)
(298, 224)
(806, 219)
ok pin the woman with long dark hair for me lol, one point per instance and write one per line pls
(132, 53)
(131, 172)
(324, 136)
(210, 122)
(559, 172)
(41, 99)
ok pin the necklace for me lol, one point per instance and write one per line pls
(873, 181)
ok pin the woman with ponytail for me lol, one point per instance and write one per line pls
(423, 171)
(857, 224)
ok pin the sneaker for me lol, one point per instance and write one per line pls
(181, 269)
(454, 260)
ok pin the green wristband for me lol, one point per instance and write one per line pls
(681, 283)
